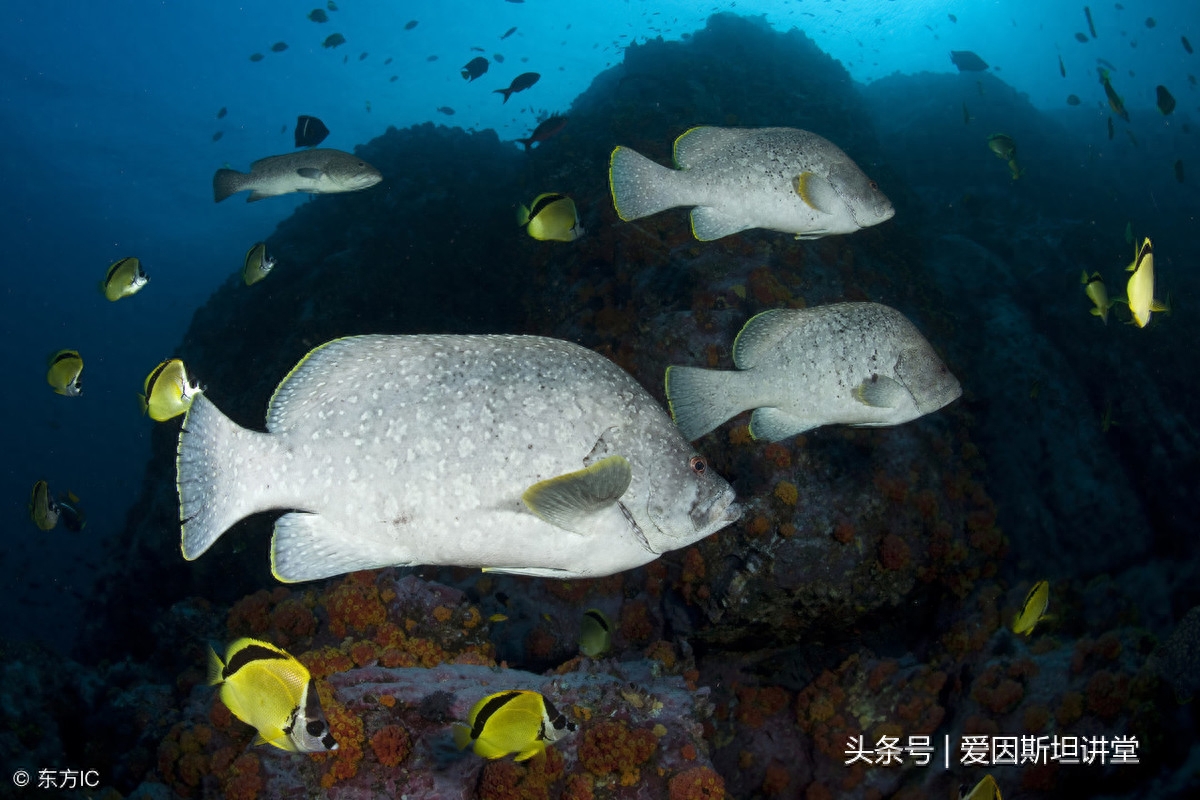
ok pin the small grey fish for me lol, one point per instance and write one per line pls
(859, 364)
(320, 171)
(517, 454)
(782, 179)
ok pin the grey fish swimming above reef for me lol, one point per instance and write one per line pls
(517, 454)
(967, 61)
(859, 364)
(782, 179)
(321, 171)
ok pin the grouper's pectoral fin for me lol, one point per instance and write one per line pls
(308, 547)
(568, 501)
(772, 425)
(880, 391)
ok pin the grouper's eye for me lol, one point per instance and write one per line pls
(698, 465)
(874, 186)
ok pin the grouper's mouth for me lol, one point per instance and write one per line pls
(718, 512)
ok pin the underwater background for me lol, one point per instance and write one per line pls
(869, 588)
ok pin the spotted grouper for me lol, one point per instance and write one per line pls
(859, 364)
(516, 454)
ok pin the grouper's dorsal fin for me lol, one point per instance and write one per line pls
(761, 334)
(566, 501)
(704, 144)
(340, 358)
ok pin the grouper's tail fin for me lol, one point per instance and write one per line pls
(701, 399)
(639, 186)
(212, 466)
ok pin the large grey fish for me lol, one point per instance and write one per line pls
(321, 171)
(860, 364)
(782, 179)
(517, 454)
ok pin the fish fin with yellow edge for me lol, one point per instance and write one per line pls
(215, 667)
(522, 214)
(143, 406)
(710, 223)
(308, 547)
(531, 751)
(701, 399)
(770, 424)
(816, 192)
(1084, 279)
(566, 501)
(461, 734)
(761, 334)
(880, 391)
(1161, 306)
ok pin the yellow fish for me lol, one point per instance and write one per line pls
(551, 217)
(42, 508)
(258, 264)
(1098, 294)
(124, 278)
(64, 372)
(595, 633)
(518, 721)
(266, 687)
(1033, 609)
(986, 789)
(1140, 290)
(167, 391)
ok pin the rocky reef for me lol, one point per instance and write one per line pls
(868, 590)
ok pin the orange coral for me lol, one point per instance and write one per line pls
(293, 621)
(776, 780)
(354, 605)
(663, 652)
(1070, 709)
(778, 454)
(391, 745)
(325, 662)
(1106, 694)
(697, 783)
(787, 492)
(756, 704)
(347, 731)
(243, 781)
(611, 746)
(634, 622)
(894, 553)
(250, 616)
(843, 531)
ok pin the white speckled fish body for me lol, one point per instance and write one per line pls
(782, 179)
(418, 449)
(861, 364)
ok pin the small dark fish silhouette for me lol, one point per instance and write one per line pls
(967, 61)
(362, 56)
(1150, 23)
(952, 18)
(1062, 68)
(217, 136)
(519, 84)
(509, 32)
(334, 39)
(474, 68)
(1186, 44)
(222, 112)
(318, 15)
(431, 58)
(498, 58)
(257, 57)
(387, 61)
(1081, 38)
(1073, 100)
(548, 128)
(279, 47)
(310, 131)
(1087, 12)
(412, 23)
(447, 110)
(477, 50)
(393, 79)
(1166, 103)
